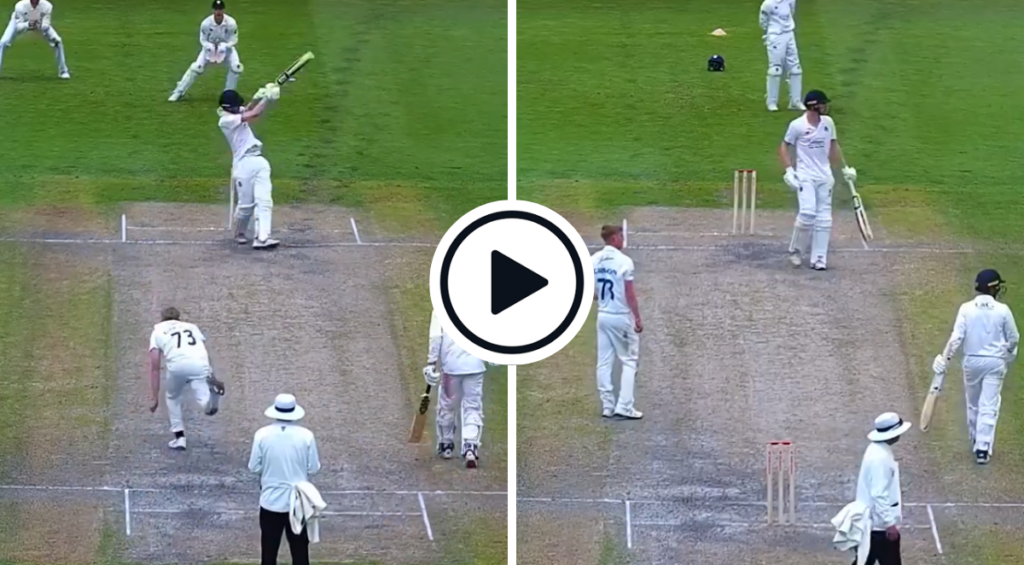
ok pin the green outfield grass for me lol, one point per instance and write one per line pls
(402, 115)
(616, 109)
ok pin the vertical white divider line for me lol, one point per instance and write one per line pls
(355, 230)
(629, 526)
(426, 520)
(625, 233)
(511, 370)
(935, 529)
(124, 228)
(127, 512)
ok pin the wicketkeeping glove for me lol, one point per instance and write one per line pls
(431, 375)
(939, 365)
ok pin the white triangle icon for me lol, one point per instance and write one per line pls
(718, 32)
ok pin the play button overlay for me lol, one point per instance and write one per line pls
(512, 282)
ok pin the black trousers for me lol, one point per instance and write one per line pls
(272, 525)
(883, 551)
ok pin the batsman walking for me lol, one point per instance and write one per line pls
(812, 137)
(618, 324)
(988, 333)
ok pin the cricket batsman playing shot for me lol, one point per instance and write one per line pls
(182, 347)
(776, 20)
(461, 379)
(986, 330)
(35, 15)
(218, 39)
(812, 137)
(618, 325)
(250, 171)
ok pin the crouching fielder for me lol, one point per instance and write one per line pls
(35, 15)
(218, 37)
(988, 333)
(461, 379)
(250, 171)
(182, 346)
(813, 138)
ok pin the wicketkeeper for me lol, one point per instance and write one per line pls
(988, 333)
(218, 37)
(35, 15)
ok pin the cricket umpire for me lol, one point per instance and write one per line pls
(285, 455)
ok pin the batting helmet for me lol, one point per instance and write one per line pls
(988, 281)
(716, 63)
(815, 97)
(231, 100)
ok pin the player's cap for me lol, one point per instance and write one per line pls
(231, 99)
(987, 279)
(218, 4)
(815, 97)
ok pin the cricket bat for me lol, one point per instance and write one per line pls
(294, 68)
(862, 217)
(419, 421)
(929, 402)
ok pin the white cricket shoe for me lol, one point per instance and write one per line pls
(175, 96)
(240, 239)
(177, 443)
(631, 414)
(795, 259)
(65, 75)
(471, 455)
(773, 108)
(819, 265)
(606, 413)
(797, 106)
(265, 243)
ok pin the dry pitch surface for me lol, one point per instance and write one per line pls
(738, 349)
(313, 321)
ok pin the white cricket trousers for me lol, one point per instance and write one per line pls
(783, 58)
(252, 183)
(983, 385)
(617, 337)
(814, 218)
(179, 377)
(469, 391)
(50, 34)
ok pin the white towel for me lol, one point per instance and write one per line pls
(307, 505)
(853, 530)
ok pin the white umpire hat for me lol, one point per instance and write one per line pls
(285, 408)
(888, 426)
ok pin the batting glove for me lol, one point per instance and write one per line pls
(431, 375)
(850, 174)
(273, 91)
(792, 179)
(939, 365)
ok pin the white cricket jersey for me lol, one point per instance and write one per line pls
(284, 454)
(813, 145)
(985, 327)
(224, 32)
(456, 360)
(239, 135)
(612, 270)
(180, 342)
(24, 12)
(777, 16)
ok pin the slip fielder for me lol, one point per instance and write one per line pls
(218, 36)
(182, 347)
(618, 324)
(813, 138)
(988, 333)
(461, 379)
(776, 20)
(35, 15)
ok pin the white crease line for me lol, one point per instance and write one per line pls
(759, 525)
(209, 229)
(127, 512)
(191, 490)
(246, 512)
(935, 529)
(71, 488)
(426, 520)
(629, 527)
(355, 230)
(575, 500)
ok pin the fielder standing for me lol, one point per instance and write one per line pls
(618, 324)
(250, 171)
(461, 378)
(218, 37)
(988, 333)
(35, 15)
(813, 138)
(182, 347)
(777, 22)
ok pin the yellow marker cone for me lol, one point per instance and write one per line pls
(718, 32)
